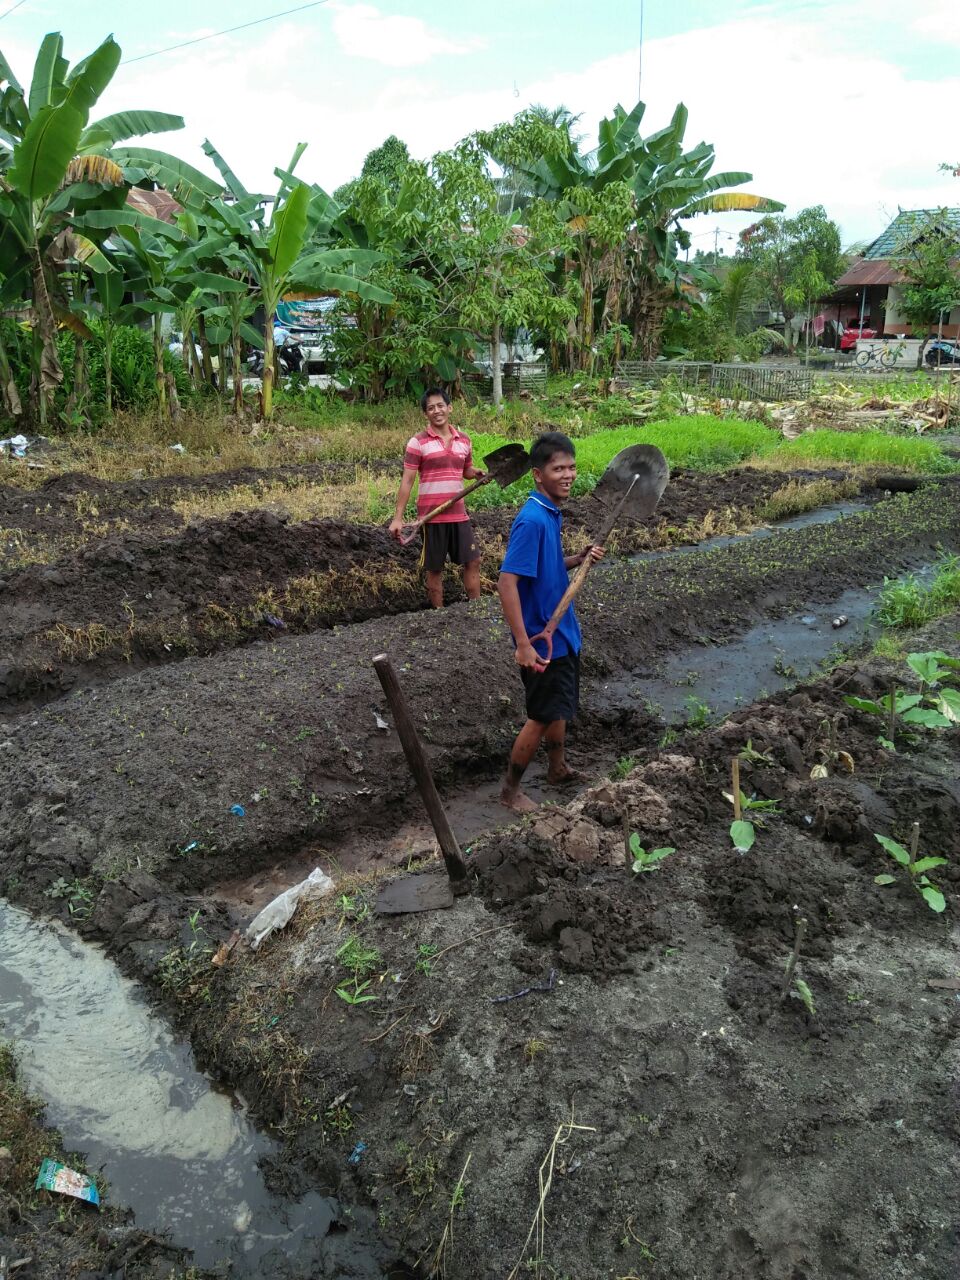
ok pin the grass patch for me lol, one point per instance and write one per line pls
(369, 499)
(700, 442)
(907, 602)
(797, 496)
(22, 1132)
(862, 448)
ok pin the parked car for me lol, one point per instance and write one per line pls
(848, 339)
(942, 352)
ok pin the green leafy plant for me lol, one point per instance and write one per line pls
(748, 754)
(425, 955)
(646, 861)
(358, 960)
(916, 868)
(806, 995)
(78, 894)
(623, 767)
(743, 834)
(935, 706)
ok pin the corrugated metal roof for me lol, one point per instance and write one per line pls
(863, 273)
(905, 227)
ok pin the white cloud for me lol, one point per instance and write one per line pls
(777, 96)
(393, 40)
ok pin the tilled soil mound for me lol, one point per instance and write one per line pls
(151, 765)
(630, 1034)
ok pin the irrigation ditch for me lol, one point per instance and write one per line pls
(695, 1123)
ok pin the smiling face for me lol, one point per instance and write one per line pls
(556, 477)
(437, 412)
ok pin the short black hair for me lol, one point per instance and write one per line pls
(545, 446)
(433, 391)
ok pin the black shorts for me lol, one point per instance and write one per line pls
(553, 694)
(453, 539)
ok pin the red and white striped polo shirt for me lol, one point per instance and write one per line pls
(440, 468)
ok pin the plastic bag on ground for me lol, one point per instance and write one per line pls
(278, 913)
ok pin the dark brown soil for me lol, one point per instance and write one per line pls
(138, 771)
(154, 591)
(725, 1131)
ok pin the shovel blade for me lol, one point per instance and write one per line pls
(410, 894)
(652, 471)
(506, 464)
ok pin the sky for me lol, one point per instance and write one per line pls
(852, 104)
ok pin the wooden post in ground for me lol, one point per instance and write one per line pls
(417, 760)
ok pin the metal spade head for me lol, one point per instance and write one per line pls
(652, 471)
(506, 464)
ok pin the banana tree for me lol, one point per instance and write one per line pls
(281, 256)
(624, 205)
(54, 166)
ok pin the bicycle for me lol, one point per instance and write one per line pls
(884, 356)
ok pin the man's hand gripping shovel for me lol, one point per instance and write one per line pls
(632, 485)
(503, 465)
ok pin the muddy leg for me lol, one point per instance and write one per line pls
(524, 749)
(435, 588)
(555, 740)
(471, 579)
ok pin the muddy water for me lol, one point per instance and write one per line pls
(124, 1091)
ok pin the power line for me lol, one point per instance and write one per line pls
(6, 13)
(314, 4)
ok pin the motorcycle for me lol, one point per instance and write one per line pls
(290, 357)
(942, 352)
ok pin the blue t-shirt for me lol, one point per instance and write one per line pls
(535, 555)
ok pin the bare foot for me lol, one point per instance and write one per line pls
(564, 778)
(517, 801)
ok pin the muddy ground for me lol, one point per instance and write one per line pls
(128, 583)
(699, 1126)
(142, 773)
(725, 1133)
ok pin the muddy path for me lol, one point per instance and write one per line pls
(148, 596)
(142, 775)
(633, 1031)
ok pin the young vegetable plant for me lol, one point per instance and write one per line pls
(917, 868)
(644, 861)
(359, 960)
(934, 707)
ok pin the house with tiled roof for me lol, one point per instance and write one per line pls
(870, 286)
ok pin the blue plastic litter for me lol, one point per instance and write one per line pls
(238, 810)
(356, 1153)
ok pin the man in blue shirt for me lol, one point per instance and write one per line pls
(533, 578)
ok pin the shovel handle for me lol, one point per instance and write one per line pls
(568, 597)
(410, 531)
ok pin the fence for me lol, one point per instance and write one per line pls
(517, 377)
(735, 381)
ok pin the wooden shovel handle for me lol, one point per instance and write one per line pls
(580, 576)
(410, 531)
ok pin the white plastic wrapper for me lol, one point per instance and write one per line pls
(278, 913)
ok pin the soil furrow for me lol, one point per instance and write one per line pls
(142, 598)
(143, 773)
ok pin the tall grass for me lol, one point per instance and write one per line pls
(864, 447)
(907, 602)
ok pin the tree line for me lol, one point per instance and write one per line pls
(516, 228)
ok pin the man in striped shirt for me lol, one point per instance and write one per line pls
(442, 458)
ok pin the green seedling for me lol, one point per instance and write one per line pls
(917, 868)
(623, 767)
(936, 706)
(425, 954)
(791, 980)
(752, 804)
(743, 834)
(748, 754)
(644, 861)
(359, 960)
(358, 994)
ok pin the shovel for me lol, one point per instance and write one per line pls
(633, 484)
(504, 465)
